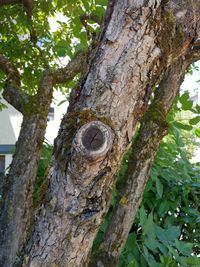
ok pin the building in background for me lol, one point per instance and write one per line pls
(10, 124)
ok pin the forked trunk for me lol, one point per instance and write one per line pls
(101, 119)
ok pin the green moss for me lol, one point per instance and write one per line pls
(193, 3)
(10, 212)
(86, 116)
(69, 237)
(123, 201)
(170, 18)
(155, 114)
(41, 184)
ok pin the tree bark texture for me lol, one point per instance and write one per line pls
(17, 200)
(153, 128)
(103, 112)
(17, 209)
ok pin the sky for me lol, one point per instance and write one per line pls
(190, 82)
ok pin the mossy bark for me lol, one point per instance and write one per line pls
(153, 128)
(130, 59)
(17, 209)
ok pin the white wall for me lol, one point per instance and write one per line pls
(8, 160)
(59, 111)
(11, 119)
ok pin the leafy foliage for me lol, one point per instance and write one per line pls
(42, 167)
(55, 33)
(166, 230)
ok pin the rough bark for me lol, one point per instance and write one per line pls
(153, 128)
(16, 204)
(103, 112)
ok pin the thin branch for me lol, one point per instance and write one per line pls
(10, 70)
(84, 20)
(10, 2)
(194, 54)
(12, 92)
(86, 17)
(63, 75)
(28, 4)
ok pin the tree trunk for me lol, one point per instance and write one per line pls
(17, 209)
(16, 217)
(101, 118)
(153, 128)
(104, 110)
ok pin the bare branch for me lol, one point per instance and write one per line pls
(67, 73)
(12, 92)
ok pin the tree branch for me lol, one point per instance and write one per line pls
(194, 55)
(67, 73)
(28, 4)
(86, 17)
(153, 128)
(12, 91)
(10, 2)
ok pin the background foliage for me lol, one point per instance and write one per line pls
(166, 231)
(55, 33)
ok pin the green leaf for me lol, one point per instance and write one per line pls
(168, 235)
(86, 4)
(195, 120)
(198, 108)
(163, 208)
(143, 216)
(159, 187)
(149, 226)
(132, 264)
(184, 248)
(99, 11)
(197, 132)
(184, 97)
(131, 242)
(183, 126)
(62, 48)
(186, 103)
(62, 102)
(193, 261)
(101, 2)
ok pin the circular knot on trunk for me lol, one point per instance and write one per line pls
(93, 140)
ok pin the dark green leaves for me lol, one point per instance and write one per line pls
(59, 32)
(186, 102)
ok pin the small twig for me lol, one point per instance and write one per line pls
(86, 17)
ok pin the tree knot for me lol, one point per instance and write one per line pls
(93, 140)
